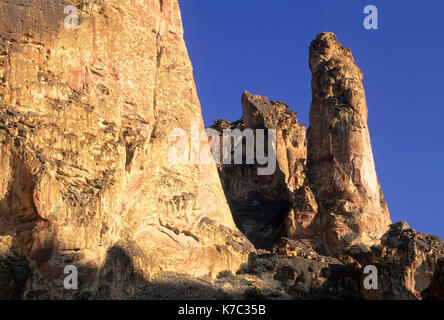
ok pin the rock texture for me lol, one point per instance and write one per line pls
(409, 266)
(340, 160)
(408, 263)
(85, 179)
(330, 206)
(260, 203)
(84, 121)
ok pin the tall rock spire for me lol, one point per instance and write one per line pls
(340, 159)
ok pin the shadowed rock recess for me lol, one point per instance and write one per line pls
(85, 180)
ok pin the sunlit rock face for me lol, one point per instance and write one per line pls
(340, 160)
(267, 207)
(85, 116)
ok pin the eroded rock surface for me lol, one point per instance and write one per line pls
(84, 121)
(340, 159)
(409, 266)
(334, 218)
(261, 203)
(86, 180)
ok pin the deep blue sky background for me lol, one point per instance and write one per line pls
(262, 46)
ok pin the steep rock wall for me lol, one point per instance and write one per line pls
(84, 121)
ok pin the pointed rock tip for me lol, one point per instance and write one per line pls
(324, 47)
(324, 40)
(246, 94)
(326, 36)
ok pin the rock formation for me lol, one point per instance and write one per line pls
(85, 116)
(328, 203)
(408, 262)
(340, 160)
(260, 203)
(409, 267)
(328, 192)
(87, 179)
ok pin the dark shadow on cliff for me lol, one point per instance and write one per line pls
(259, 212)
(266, 276)
(435, 291)
(14, 272)
(119, 280)
(18, 215)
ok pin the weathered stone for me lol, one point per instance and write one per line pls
(86, 179)
(84, 121)
(303, 220)
(340, 160)
(261, 203)
(436, 289)
(408, 264)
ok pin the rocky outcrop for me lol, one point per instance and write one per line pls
(340, 160)
(327, 192)
(334, 218)
(84, 121)
(408, 263)
(261, 203)
(436, 289)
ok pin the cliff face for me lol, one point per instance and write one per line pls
(330, 191)
(85, 116)
(325, 187)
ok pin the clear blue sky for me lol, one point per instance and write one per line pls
(262, 46)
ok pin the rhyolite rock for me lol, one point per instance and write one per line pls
(331, 211)
(85, 116)
(86, 178)
(259, 202)
(340, 161)
(409, 264)
(409, 267)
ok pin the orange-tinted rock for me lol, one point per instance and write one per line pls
(280, 204)
(84, 121)
(340, 159)
(86, 179)
(259, 203)
(408, 263)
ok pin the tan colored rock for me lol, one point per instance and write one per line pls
(408, 263)
(291, 150)
(281, 204)
(303, 220)
(340, 159)
(84, 121)
(85, 177)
